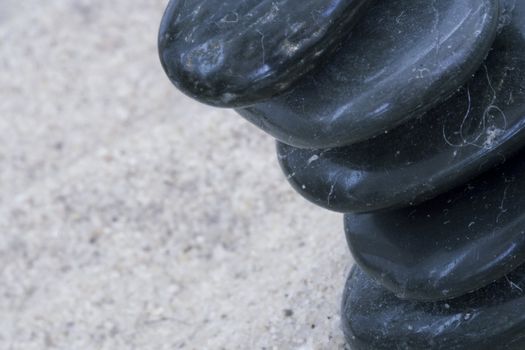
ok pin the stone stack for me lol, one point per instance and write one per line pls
(407, 116)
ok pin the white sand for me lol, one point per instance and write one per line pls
(132, 217)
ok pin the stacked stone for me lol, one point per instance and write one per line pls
(407, 116)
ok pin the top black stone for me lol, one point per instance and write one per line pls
(235, 53)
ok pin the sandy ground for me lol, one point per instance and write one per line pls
(132, 217)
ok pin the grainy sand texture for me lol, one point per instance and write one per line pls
(132, 217)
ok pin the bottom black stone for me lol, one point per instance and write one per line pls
(492, 318)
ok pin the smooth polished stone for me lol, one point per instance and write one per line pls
(401, 59)
(462, 137)
(490, 319)
(451, 245)
(235, 53)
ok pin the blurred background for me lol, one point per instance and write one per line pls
(132, 217)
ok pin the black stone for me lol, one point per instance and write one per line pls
(450, 245)
(492, 318)
(464, 136)
(235, 53)
(381, 117)
(401, 59)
